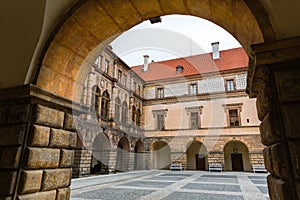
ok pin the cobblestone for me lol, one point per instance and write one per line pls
(165, 185)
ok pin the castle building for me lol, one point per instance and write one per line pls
(192, 110)
(52, 49)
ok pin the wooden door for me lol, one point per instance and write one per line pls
(237, 162)
(200, 161)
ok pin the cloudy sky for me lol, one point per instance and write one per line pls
(176, 36)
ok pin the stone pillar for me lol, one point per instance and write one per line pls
(275, 81)
(37, 144)
(131, 160)
(82, 162)
(179, 157)
(216, 157)
(149, 160)
(111, 160)
(140, 161)
(256, 158)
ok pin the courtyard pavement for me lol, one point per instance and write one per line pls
(171, 185)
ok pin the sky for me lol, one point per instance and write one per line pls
(176, 36)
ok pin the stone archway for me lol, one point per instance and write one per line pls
(139, 162)
(161, 155)
(196, 156)
(66, 60)
(236, 156)
(123, 154)
(90, 27)
(100, 154)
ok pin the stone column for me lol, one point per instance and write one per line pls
(275, 81)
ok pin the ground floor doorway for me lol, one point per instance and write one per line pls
(200, 161)
(237, 162)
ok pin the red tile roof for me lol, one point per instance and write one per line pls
(193, 65)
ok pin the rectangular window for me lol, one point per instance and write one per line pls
(194, 120)
(134, 86)
(106, 66)
(160, 93)
(230, 85)
(125, 80)
(119, 76)
(139, 90)
(160, 122)
(193, 89)
(233, 118)
(98, 62)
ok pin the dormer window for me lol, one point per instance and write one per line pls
(179, 69)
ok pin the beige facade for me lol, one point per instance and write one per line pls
(146, 130)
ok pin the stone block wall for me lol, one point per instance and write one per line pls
(275, 81)
(37, 145)
(82, 162)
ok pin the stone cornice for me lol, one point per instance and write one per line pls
(44, 97)
(198, 97)
(266, 56)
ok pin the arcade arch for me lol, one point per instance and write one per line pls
(74, 45)
(161, 155)
(123, 154)
(236, 156)
(138, 155)
(196, 156)
(101, 147)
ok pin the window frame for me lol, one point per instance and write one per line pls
(105, 103)
(98, 61)
(193, 89)
(195, 109)
(163, 114)
(161, 93)
(233, 84)
(124, 118)
(96, 100)
(120, 76)
(235, 106)
(117, 109)
(106, 66)
(125, 80)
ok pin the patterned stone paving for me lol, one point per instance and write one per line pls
(171, 185)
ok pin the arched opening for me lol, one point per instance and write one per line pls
(100, 154)
(138, 117)
(123, 155)
(124, 113)
(95, 101)
(196, 156)
(139, 161)
(89, 25)
(133, 117)
(161, 155)
(105, 106)
(117, 110)
(236, 156)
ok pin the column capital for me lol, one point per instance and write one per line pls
(268, 56)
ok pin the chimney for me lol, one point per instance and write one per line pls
(146, 63)
(215, 50)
